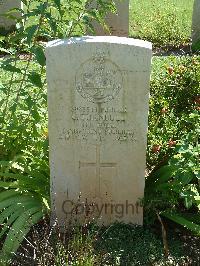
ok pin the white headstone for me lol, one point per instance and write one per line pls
(98, 92)
(5, 6)
(118, 23)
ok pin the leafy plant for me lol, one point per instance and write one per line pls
(24, 199)
(173, 190)
(174, 95)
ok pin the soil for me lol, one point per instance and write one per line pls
(173, 51)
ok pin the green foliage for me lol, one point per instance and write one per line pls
(173, 189)
(24, 199)
(24, 95)
(162, 22)
(129, 245)
(78, 250)
(184, 221)
(175, 88)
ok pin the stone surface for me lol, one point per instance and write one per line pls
(117, 23)
(5, 6)
(196, 22)
(98, 92)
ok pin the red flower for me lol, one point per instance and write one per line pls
(170, 70)
(156, 148)
(171, 143)
(163, 111)
(197, 99)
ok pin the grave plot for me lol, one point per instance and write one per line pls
(113, 162)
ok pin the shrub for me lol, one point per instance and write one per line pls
(172, 187)
(173, 97)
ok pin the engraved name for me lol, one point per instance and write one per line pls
(98, 134)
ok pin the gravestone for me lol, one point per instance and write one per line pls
(98, 92)
(118, 23)
(7, 24)
(196, 24)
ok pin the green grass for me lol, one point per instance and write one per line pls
(162, 22)
(116, 245)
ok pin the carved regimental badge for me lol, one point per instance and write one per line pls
(98, 80)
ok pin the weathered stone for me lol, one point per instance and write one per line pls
(196, 23)
(118, 23)
(98, 92)
(7, 24)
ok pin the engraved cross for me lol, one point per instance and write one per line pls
(98, 166)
